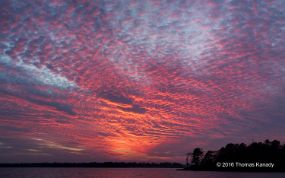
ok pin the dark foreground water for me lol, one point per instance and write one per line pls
(124, 173)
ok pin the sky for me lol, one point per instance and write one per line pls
(127, 80)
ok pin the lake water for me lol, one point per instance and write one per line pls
(124, 173)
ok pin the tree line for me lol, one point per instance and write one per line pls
(230, 156)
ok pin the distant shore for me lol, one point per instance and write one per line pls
(97, 165)
(180, 167)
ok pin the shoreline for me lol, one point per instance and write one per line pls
(94, 165)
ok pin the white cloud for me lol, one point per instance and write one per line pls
(41, 75)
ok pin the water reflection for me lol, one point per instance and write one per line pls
(123, 173)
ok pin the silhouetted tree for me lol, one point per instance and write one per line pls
(208, 160)
(187, 159)
(275, 144)
(197, 156)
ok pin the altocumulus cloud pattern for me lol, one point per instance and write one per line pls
(131, 80)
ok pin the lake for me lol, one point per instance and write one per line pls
(124, 173)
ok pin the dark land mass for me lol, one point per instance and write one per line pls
(97, 165)
(267, 156)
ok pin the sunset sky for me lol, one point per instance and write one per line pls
(127, 80)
